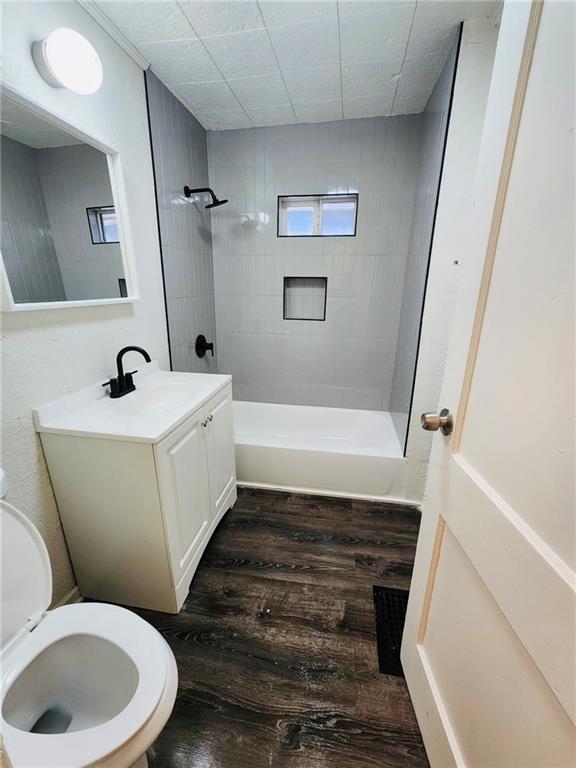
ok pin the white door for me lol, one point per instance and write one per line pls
(184, 490)
(220, 449)
(489, 642)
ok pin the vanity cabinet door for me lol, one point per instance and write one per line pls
(220, 447)
(182, 471)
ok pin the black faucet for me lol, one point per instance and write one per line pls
(123, 383)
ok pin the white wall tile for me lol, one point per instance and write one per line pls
(180, 157)
(389, 275)
(348, 359)
(434, 124)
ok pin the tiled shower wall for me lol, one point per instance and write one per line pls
(435, 121)
(179, 149)
(348, 359)
(27, 246)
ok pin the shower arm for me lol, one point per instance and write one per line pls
(189, 192)
(202, 190)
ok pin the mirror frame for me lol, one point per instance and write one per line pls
(119, 198)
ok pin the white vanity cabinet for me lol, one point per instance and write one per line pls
(138, 511)
(196, 477)
(220, 450)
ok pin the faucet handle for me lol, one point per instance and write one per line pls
(128, 379)
(113, 384)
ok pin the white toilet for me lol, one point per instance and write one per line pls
(82, 685)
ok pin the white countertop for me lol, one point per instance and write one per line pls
(162, 401)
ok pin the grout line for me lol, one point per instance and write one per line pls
(340, 61)
(404, 58)
(219, 70)
(276, 60)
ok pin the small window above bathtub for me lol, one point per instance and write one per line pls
(317, 215)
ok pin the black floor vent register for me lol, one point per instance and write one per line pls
(390, 605)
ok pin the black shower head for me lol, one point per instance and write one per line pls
(215, 202)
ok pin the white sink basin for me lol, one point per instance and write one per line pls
(150, 399)
(162, 400)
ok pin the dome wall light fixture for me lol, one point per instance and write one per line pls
(66, 59)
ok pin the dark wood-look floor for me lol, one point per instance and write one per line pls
(276, 645)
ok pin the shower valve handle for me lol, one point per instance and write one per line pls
(202, 346)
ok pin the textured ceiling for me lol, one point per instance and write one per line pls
(241, 63)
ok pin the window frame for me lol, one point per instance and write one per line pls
(96, 211)
(298, 200)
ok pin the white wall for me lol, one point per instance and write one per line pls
(347, 360)
(73, 179)
(473, 75)
(49, 353)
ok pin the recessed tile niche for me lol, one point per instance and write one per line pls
(305, 298)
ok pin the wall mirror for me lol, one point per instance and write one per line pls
(61, 235)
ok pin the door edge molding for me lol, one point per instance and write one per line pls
(498, 215)
(440, 708)
(431, 580)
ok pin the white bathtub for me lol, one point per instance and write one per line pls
(334, 451)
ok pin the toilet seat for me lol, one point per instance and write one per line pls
(78, 749)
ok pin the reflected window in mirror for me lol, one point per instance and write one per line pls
(103, 225)
(51, 181)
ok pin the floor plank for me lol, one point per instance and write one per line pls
(276, 642)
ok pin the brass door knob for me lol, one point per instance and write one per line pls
(438, 421)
